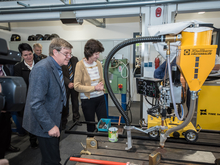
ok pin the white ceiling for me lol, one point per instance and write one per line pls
(208, 17)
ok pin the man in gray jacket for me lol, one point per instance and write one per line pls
(45, 100)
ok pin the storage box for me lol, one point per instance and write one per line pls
(107, 122)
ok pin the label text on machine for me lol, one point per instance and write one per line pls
(204, 112)
(198, 52)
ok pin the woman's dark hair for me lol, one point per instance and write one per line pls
(24, 46)
(92, 46)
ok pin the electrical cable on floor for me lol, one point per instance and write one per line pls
(67, 160)
(70, 157)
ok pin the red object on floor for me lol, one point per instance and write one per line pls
(95, 161)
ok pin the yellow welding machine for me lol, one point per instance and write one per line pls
(208, 114)
(196, 57)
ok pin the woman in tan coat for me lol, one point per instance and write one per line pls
(89, 82)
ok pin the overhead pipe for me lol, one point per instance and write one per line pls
(91, 6)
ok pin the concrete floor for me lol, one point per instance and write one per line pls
(70, 144)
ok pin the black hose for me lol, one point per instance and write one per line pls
(107, 62)
(70, 157)
(128, 109)
(66, 160)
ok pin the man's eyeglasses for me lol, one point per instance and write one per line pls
(70, 55)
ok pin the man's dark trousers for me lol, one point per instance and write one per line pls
(50, 156)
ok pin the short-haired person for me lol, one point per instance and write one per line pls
(45, 100)
(38, 52)
(89, 82)
(68, 73)
(23, 69)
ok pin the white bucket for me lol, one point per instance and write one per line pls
(113, 134)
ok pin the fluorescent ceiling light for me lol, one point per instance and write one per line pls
(202, 12)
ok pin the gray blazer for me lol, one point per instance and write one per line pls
(44, 102)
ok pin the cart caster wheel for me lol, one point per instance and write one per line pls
(191, 136)
(154, 134)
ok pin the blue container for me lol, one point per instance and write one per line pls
(108, 123)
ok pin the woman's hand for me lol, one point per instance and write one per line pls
(99, 87)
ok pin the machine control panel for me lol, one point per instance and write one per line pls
(148, 86)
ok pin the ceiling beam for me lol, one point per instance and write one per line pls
(6, 28)
(97, 23)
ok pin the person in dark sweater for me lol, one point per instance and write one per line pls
(23, 69)
(68, 73)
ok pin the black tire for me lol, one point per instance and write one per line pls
(191, 136)
(154, 134)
